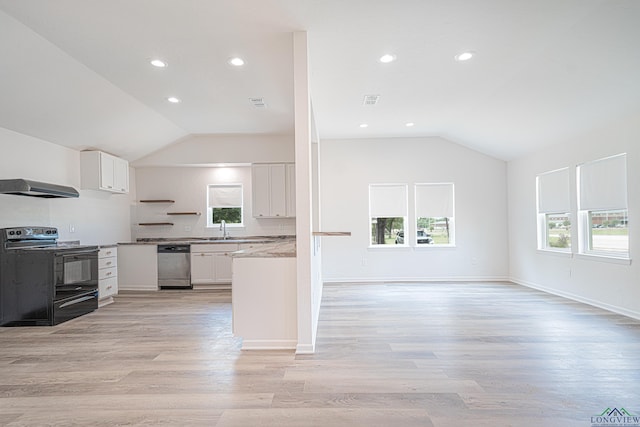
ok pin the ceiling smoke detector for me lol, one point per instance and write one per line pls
(258, 102)
(371, 99)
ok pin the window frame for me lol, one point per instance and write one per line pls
(210, 223)
(553, 198)
(402, 212)
(450, 219)
(594, 197)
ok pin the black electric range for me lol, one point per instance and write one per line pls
(42, 283)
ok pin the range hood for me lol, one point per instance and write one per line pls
(25, 187)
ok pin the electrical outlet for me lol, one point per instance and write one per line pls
(364, 262)
(72, 228)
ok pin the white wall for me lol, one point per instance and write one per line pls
(188, 187)
(216, 149)
(349, 166)
(608, 285)
(97, 217)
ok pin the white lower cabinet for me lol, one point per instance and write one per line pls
(211, 264)
(107, 275)
(138, 267)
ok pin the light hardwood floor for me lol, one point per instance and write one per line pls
(460, 354)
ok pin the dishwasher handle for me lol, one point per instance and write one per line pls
(174, 249)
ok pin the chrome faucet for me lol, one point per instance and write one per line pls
(223, 228)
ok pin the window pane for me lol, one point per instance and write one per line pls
(229, 215)
(558, 230)
(387, 231)
(609, 231)
(224, 203)
(436, 231)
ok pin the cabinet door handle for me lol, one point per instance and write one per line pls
(109, 263)
(109, 273)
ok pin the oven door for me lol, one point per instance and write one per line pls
(76, 272)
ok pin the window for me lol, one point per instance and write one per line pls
(225, 203)
(388, 213)
(604, 224)
(554, 205)
(434, 214)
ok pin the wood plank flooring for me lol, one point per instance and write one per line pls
(449, 354)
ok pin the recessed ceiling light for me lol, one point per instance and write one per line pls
(364, 125)
(236, 61)
(173, 100)
(385, 59)
(465, 56)
(158, 63)
(409, 124)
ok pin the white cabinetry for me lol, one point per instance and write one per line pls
(138, 267)
(211, 265)
(107, 275)
(273, 190)
(102, 171)
(291, 190)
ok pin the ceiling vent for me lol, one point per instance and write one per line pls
(258, 102)
(370, 99)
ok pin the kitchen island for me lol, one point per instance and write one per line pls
(264, 302)
(138, 265)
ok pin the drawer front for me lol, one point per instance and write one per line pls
(108, 252)
(106, 273)
(107, 262)
(221, 247)
(107, 287)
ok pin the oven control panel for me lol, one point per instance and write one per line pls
(30, 233)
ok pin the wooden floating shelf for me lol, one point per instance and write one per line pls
(155, 223)
(157, 201)
(331, 233)
(183, 213)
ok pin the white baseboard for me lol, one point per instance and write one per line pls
(578, 298)
(268, 344)
(415, 279)
(305, 349)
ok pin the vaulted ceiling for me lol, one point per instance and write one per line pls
(77, 72)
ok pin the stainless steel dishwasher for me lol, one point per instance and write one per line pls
(174, 267)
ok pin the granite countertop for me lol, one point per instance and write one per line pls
(74, 243)
(283, 249)
(209, 240)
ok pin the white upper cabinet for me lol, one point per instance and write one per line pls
(273, 191)
(102, 171)
(291, 190)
